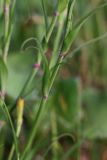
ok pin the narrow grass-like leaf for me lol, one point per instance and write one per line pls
(70, 16)
(90, 42)
(7, 114)
(69, 11)
(45, 15)
(58, 138)
(57, 42)
(92, 12)
(70, 39)
(8, 27)
(76, 28)
(62, 5)
(51, 27)
(76, 145)
(61, 33)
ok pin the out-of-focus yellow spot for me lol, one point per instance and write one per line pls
(20, 110)
(20, 103)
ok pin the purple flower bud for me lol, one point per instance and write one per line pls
(2, 94)
(6, 10)
(56, 14)
(36, 65)
(45, 97)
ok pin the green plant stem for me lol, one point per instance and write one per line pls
(43, 101)
(57, 42)
(70, 8)
(45, 15)
(6, 28)
(60, 57)
(8, 16)
(27, 84)
(13, 146)
(54, 135)
(18, 129)
(50, 30)
(30, 79)
(38, 117)
(11, 152)
(34, 130)
(33, 73)
(13, 130)
(70, 15)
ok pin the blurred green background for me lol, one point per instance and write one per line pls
(78, 101)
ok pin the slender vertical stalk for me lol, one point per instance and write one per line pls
(43, 100)
(34, 129)
(6, 28)
(39, 60)
(45, 15)
(50, 30)
(20, 110)
(8, 16)
(57, 41)
(6, 112)
(54, 135)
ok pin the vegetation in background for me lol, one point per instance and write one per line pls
(53, 74)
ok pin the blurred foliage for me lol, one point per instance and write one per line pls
(79, 97)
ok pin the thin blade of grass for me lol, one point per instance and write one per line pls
(92, 12)
(45, 15)
(76, 28)
(58, 138)
(90, 42)
(7, 114)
